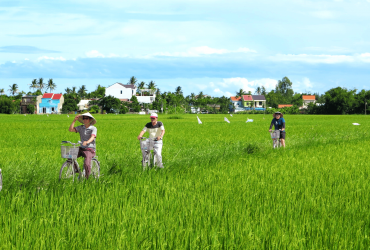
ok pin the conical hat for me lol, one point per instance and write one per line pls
(89, 115)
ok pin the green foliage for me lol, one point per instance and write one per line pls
(135, 104)
(7, 106)
(98, 93)
(31, 109)
(70, 102)
(340, 101)
(94, 109)
(110, 104)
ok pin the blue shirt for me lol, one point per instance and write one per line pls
(278, 123)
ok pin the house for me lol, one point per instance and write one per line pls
(259, 102)
(30, 100)
(280, 106)
(308, 99)
(51, 103)
(83, 104)
(122, 91)
(247, 102)
(236, 104)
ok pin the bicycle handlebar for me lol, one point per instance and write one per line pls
(74, 144)
(145, 138)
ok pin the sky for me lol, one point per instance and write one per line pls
(213, 46)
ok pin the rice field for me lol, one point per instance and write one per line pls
(223, 186)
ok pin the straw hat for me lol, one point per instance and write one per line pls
(88, 115)
(277, 112)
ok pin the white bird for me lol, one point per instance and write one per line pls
(356, 123)
(199, 121)
(226, 120)
(67, 115)
(231, 115)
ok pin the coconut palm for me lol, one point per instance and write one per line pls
(82, 91)
(41, 84)
(132, 80)
(192, 96)
(73, 90)
(151, 85)
(1, 91)
(51, 85)
(240, 93)
(141, 85)
(178, 91)
(258, 90)
(68, 90)
(34, 84)
(13, 88)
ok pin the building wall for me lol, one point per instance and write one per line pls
(47, 105)
(145, 99)
(120, 92)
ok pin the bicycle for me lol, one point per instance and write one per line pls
(275, 136)
(70, 167)
(1, 180)
(149, 159)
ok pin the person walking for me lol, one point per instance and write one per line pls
(279, 123)
(156, 131)
(88, 139)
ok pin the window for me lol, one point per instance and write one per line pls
(52, 109)
(121, 92)
(260, 104)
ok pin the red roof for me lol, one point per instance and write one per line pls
(48, 95)
(284, 105)
(247, 98)
(57, 96)
(308, 97)
(233, 98)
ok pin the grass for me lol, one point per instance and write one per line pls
(223, 186)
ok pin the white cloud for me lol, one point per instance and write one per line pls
(95, 54)
(323, 14)
(329, 59)
(202, 50)
(60, 58)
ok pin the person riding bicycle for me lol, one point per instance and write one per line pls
(156, 131)
(87, 136)
(279, 124)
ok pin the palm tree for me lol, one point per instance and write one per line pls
(74, 90)
(192, 96)
(240, 93)
(68, 90)
(258, 90)
(34, 84)
(178, 91)
(200, 95)
(151, 85)
(51, 85)
(132, 80)
(41, 84)
(82, 91)
(1, 91)
(141, 85)
(13, 88)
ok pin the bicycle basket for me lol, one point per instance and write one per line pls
(69, 152)
(275, 134)
(146, 144)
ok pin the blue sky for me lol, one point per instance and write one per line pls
(213, 46)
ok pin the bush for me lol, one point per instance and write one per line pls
(31, 109)
(94, 109)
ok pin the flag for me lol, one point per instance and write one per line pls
(226, 120)
(231, 115)
(199, 121)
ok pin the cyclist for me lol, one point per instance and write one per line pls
(87, 136)
(156, 131)
(279, 124)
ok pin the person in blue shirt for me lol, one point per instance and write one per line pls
(279, 124)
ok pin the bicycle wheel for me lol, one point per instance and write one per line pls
(66, 170)
(146, 160)
(95, 168)
(1, 180)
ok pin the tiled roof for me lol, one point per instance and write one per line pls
(308, 97)
(57, 96)
(48, 95)
(234, 98)
(247, 98)
(258, 98)
(284, 105)
(131, 86)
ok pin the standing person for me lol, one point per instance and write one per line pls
(279, 124)
(156, 131)
(87, 136)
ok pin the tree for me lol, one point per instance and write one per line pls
(51, 85)
(82, 91)
(34, 84)
(340, 101)
(132, 80)
(110, 104)
(258, 90)
(68, 91)
(31, 109)
(41, 84)
(70, 103)
(135, 104)
(98, 93)
(94, 109)
(178, 91)
(151, 85)
(240, 93)
(13, 88)
(1, 91)
(7, 106)
(263, 90)
(141, 85)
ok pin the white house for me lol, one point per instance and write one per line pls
(83, 104)
(121, 91)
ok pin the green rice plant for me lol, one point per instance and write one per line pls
(223, 185)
